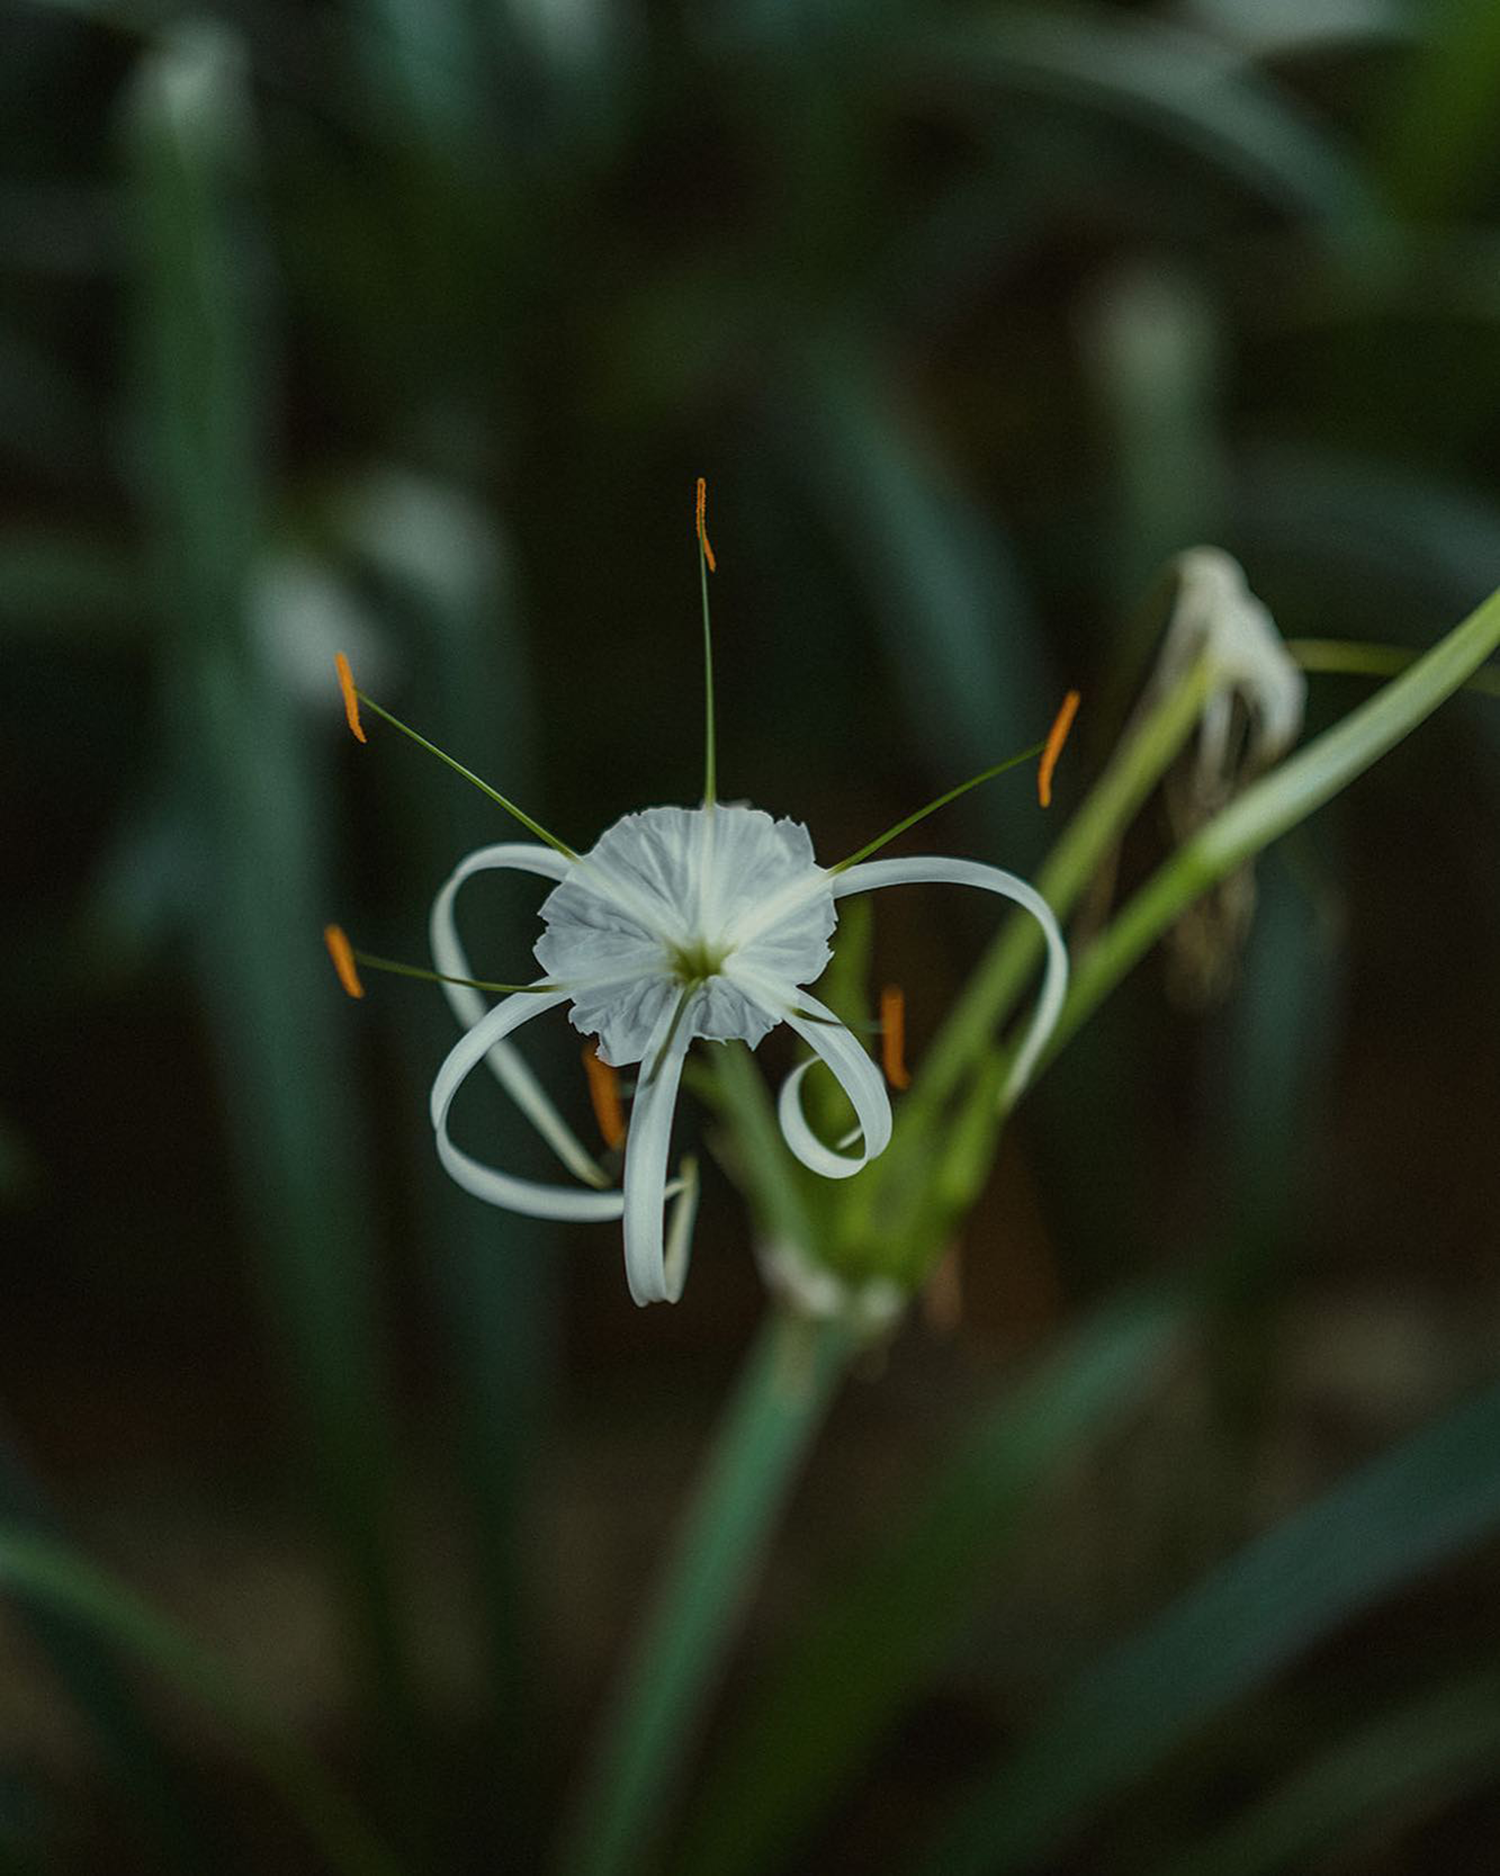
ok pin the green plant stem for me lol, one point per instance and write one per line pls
(1278, 802)
(1342, 657)
(787, 1384)
(1110, 806)
(51, 1574)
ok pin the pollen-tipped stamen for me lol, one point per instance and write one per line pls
(344, 962)
(1053, 748)
(893, 1036)
(351, 691)
(604, 1097)
(348, 963)
(351, 697)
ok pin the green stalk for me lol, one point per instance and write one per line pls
(785, 1389)
(1112, 803)
(1278, 802)
(1342, 657)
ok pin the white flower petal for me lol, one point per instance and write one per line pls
(672, 894)
(937, 871)
(469, 1005)
(624, 1014)
(680, 1231)
(647, 1146)
(855, 1073)
(485, 1182)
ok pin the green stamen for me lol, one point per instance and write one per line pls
(437, 977)
(985, 775)
(705, 562)
(458, 768)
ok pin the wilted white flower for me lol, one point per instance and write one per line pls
(1251, 715)
(1215, 615)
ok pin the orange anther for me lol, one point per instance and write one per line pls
(708, 552)
(1056, 737)
(604, 1093)
(351, 696)
(342, 953)
(893, 1036)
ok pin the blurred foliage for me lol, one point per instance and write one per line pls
(404, 326)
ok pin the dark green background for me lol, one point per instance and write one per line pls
(971, 316)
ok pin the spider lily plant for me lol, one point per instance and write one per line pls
(680, 925)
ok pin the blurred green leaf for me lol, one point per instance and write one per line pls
(46, 423)
(439, 567)
(131, 1751)
(203, 329)
(52, 1575)
(1380, 533)
(936, 573)
(1418, 1756)
(817, 1714)
(1439, 145)
(1430, 1499)
(52, 580)
(1283, 29)
(425, 62)
(1154, 341)
(1184, 87)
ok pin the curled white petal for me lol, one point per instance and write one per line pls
(855, 1073)
(486, 1182)
(937, 871)
(679, 1249)
(647, 1145)
(469, 1005)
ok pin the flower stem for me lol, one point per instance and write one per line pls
(1340, 657)
(787, 1384)
(1137, 766)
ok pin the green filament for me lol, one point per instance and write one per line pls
(391, 966)
(710, 750)
(985, 775)
(458, 768)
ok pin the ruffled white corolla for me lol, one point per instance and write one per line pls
(683, 924)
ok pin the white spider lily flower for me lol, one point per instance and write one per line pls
(683, 924)
(679, 925)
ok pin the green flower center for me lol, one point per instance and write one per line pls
(696, 961)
